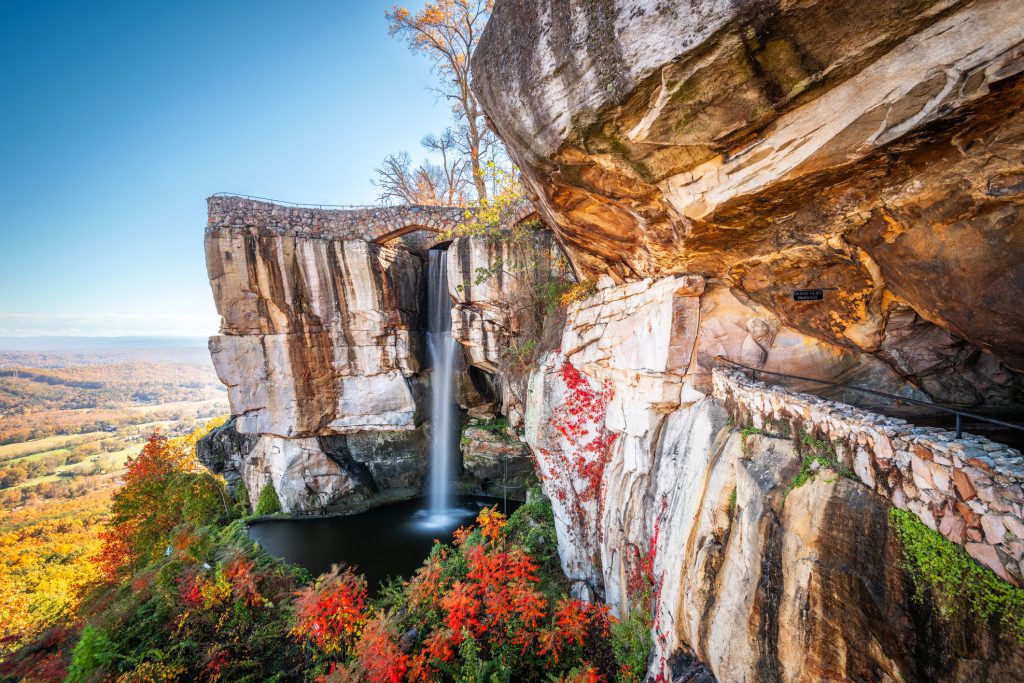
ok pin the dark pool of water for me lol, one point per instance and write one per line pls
(388, 541)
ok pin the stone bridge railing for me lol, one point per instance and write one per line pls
(971, 490)
(371, 224)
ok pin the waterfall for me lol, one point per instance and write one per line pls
(442, 347)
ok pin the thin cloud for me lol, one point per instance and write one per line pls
(105, 324)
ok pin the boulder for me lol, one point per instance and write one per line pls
(873, 151)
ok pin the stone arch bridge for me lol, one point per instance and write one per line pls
(377, 224)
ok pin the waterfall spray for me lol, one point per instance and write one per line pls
(442, 347)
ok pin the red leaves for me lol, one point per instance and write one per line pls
(331, 613)
(425, 588)
(190, 590)
(487, 604)
(243, 582)
(574, 621)
(462, 608)
(586, 674)
(576, 467)
(379, 655)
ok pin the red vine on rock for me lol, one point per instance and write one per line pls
(586, 443)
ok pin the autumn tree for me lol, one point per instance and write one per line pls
(447, 32)
(164, 488)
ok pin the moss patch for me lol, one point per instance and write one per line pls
(956, 584)
(822, 453)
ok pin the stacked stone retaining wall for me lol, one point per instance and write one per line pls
(971, 490)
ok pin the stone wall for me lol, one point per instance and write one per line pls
(370, 224)
(971, 490)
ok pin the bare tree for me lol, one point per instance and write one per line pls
(396, 180)
(427, 184)
(454, 165)
(447, 32)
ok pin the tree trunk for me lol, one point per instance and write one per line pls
(474, 159)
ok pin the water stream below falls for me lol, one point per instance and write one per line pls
(443, 411)
(392, 540)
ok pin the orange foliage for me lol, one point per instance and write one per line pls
(379, 656)
(331, 613)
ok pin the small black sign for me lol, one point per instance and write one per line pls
(808, 294)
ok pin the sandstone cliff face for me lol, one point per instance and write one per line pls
(322, 349)
(700, 160)
(871, 148)
(653, 485)
(488, 278)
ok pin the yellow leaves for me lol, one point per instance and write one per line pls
(491, 523)
(577, 292)
(45, 563)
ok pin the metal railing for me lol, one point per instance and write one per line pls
(960, 414)
(306, 206)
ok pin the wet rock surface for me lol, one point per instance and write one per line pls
(495, 463)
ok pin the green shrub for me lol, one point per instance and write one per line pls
(823, 453)
(242, 505)
(532, 527)
(94, 653)
(632, 642)
(268, 502)
(956, 584)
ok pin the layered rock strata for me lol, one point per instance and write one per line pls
(870, 149)
(489, 278)
(322, 351)
(654, 488)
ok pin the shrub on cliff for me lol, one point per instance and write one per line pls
(950, 579)
(268, 503)
(164, 488)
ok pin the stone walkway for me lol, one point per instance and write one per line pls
(971, 490)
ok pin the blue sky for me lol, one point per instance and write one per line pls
(119, 118)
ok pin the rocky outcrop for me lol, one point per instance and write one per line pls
(223, 451)
(322, 350)
(495, 462)
(654, 486)
(873, 150)
(319, 336)
(490, 279)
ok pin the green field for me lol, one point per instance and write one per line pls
(39, 447)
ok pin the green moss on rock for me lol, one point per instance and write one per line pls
(956, 585)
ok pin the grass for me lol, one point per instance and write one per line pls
(957, 585)
(822, 452)
(39, 447)
(496, 425)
